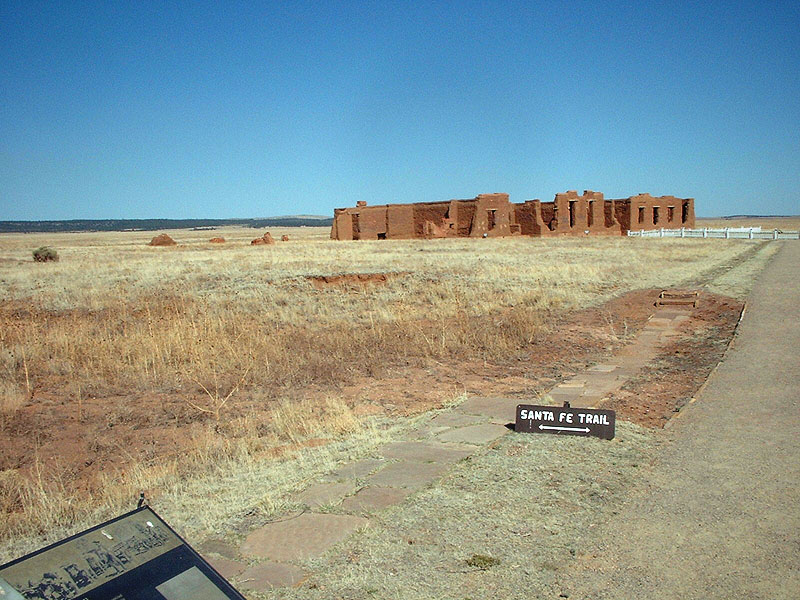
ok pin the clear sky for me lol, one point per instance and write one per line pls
(237, 109)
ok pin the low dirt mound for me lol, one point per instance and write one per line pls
(667, 383)
(265, 240)
(162, 240)
(284, 238)
(349, 279)
(217, 240)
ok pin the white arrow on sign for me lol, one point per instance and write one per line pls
(583, 429)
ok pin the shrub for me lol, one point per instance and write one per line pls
(45, 254)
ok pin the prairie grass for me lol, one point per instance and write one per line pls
(210, 490)
(786, 223)
(116, 317)
(213, 323)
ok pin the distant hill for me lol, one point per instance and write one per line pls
(757, 217)
(157, 224)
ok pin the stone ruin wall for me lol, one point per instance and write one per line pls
(492, 215)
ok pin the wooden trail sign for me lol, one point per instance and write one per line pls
(565, 420)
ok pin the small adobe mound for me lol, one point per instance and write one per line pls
(284, 238)
(217, 240)
(162, 240)
(266, 239)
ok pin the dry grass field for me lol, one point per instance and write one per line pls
(766, 223)
(238, 372)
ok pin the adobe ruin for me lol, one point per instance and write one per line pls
(493, 215)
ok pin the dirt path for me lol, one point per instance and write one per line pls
(719, 516)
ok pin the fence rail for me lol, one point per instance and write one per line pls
(741, 233)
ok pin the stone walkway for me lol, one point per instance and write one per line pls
(343, 502)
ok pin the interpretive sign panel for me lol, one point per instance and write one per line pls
(565, 421)
(136, 556)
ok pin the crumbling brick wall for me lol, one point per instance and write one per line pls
(668, 212)
(492, 215)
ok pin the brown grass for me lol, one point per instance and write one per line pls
(220, 320)
(216, 323)
(791, 223)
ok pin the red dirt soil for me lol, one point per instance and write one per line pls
(162, 240)
(79, 442)
(669, 382)
(264, 240)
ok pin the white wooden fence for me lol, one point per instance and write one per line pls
(742, 233)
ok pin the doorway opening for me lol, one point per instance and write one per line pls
(491, 220)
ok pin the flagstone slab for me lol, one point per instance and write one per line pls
(306, 536)
(356, 470)
(456, 419)
(372, 498)
(475, 434)
(407, 474)
(426, 451)
(323, 494)
(647, 337)
(572, 383)
(226, 567)
(425, 432)
(220, 547)
(495, 408)
(266, 576)
(632, 353)
(604, 368)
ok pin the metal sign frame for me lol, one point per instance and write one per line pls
(135, 556)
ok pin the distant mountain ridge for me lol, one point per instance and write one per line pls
(74, 225)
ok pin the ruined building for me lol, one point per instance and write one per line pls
(492, 215)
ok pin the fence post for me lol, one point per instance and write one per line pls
(727, 233)
(661, 232)
(705, 232)
(774, 234)
(750, 236)
(683, 231)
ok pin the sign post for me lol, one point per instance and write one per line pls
(565, 420)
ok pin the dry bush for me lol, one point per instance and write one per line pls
(12, 398)
(45, 254)
(298, 421)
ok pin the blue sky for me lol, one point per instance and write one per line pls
(235, 109)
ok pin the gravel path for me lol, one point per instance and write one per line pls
(719, 516)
